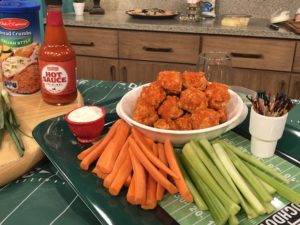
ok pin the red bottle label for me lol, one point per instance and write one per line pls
(58, 78)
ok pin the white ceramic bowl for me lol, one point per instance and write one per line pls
(236, 109)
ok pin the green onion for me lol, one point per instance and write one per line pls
(8, 118)
(216, 209)
(249, 176)
(251, 159)
(196, 195)
(238, 180)
(281, 188)
(215, 173)
(190, 154)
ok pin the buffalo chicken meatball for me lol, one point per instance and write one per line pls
(184, 122)
(192, 99)
(145, 114)
(204, 118)
(166, 124)
(170, 81)
(194, 79)
(218, 95)
(152, 95)
(169, 109)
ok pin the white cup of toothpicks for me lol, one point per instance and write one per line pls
(267, 122)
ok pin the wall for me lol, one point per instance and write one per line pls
(256, 8)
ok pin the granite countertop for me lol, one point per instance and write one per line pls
(119, 20)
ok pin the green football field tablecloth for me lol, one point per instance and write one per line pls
(43, 197)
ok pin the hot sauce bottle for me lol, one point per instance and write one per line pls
(57, 61)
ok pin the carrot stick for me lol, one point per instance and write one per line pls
(130, 196)
(119, 161)
(151, 201)
(160, 191)
(121, 177)
(138, 137)
(150, 167)
(87, 151)
(140, 176)
(98, 173)
(95, 154)
(107, 159)
(128, 180)
(180, 183)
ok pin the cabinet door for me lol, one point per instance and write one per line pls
(140, 71)
(260, 80)
(294, 91)
(296, 66)
(97, 68)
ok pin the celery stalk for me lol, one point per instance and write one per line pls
(267, 186)
(249, 176)
(217, 210)
(227, 188)
(282, 189)
(251, 159)
(233, 220)
(251, 214)
(196, 195)
(190, 154)
(238, 180)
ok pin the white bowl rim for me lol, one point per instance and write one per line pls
(179, 132)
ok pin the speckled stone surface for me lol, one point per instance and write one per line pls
(120, 20)
(255, 8)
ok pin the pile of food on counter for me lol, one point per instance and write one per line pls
(182, 101)
(215, 175)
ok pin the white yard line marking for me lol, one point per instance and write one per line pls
(187, 204)
(182, 218)
(87, 89)
(68, 206)
(4, 187)
(295, 186)
(171, 202)
(287, 169)
(108, 93)
(201, 219)
(24, 200)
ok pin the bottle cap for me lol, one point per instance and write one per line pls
(53, 2)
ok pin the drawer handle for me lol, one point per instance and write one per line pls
(86, 44)
(152, 49)
(113, 72)
(246, 55)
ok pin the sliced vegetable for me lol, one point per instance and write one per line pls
(217, 210)
(196, 195)
(190, 154)
(249, 176)
(281, 188)
(251, 159)
(238, 180)
(216, 173)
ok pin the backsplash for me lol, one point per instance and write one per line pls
(256, 8)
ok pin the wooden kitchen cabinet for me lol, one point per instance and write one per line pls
(294, 90)
(143, 71)
(257, 80)
(253, 53)
(296, 66)
(96, 68)
(159, 47)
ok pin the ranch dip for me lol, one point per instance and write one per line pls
(85, 114)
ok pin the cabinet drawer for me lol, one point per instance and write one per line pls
(296, 66)
(254, 53)
(93, 42)
(151, 46)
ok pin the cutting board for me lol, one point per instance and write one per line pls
(30, 111)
